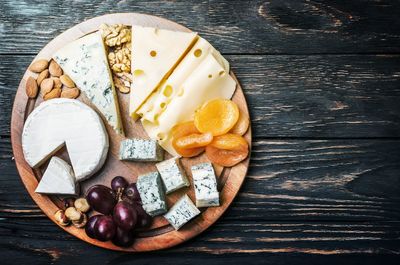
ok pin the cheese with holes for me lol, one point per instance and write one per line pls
(155, 53)
(58, 122)
(140, 150)
(209, 80)
(182, 212)
(85, 61)
(152, 193)
(205, 185)
(172, 174)
(58, 178)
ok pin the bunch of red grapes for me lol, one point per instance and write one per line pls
(121, 212)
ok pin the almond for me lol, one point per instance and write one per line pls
(44, 74)
(39, 65)
(31, 87)
(55, 69)
(57, 82)
(70, 93)
(46, 86)
(67, 81)
(54, 93)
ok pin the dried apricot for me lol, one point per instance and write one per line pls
(190, 152)
(183, 129)
(230, 141)
(194, 140)
(226, 158)
(242, 124)
(217, 116)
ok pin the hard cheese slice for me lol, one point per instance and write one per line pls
(57, 179)
(85, 61)
(209, 80)
(155, 53)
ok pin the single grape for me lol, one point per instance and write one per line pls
(144, 220)
(101, 199)
(131, 193)
(124, 215)
(119, 183)
(104, 228)
(123, 238)
(89, 228)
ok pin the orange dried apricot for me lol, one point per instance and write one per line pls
(194, 140)
(190, 152)
(226, 158)
(183, 129)
(217, 116)
(242, 124)
(230, 141)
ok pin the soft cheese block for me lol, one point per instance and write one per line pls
(172, 174)
(155, 53)
(152, 193)
(58, 122)
(140, 150)
(85, 61)
(205, 185)
(182, 212)
(58, 178)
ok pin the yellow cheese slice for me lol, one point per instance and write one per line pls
(160, 99)
(209, 80)
(155, 53)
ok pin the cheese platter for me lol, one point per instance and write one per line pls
(131, 132)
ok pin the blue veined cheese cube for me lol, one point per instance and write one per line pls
(182, 212)
(140, 150)
(152, 193)
(172, 174)
(205, 185)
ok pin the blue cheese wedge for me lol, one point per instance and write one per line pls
(172, 175)
(140, 150)
(152, 193)
(182, 212)
(85, 61)
(205, 185)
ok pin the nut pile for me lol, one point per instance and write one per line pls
(51, 81)
(118, 40)
(74, 213)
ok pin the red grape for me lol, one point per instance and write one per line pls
(124, 215)
(131, 193)
(89, 228)
(118, 183)
(123, 238)
(104, 228)
(143, 219)
(101, 199)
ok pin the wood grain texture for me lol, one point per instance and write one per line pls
(274, 26)
(334, 96)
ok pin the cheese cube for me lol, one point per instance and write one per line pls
(182, 212)
(140, 150)
(152, 193)
(205, 185)
(172, 174)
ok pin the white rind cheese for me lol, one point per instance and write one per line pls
(85, 61)
(58, 122)
(182, 212)
(140, 150)
(205, 185)
(155, 53)
(172, 175)
(58, 179)
(152, 193)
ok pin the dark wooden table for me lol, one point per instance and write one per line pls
(322, 79)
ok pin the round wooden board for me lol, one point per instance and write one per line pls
(161, 235)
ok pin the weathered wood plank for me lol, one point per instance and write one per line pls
(292, 96)
(277, 243)
(294, 27)
(330, 180)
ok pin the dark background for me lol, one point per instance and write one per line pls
(322, 80)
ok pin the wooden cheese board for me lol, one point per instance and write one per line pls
(160, 235)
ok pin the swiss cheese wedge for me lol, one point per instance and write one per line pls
(155, 54)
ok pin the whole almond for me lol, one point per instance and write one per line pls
(39, 65)
(57, 82)
(31, 87)
(55, 69)
(54, 93)
(70, 93)
(44, 74)
(46, 86)
(67, 81)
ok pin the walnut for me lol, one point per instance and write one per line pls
(120, 58)
(115, 35)
(120, 82)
